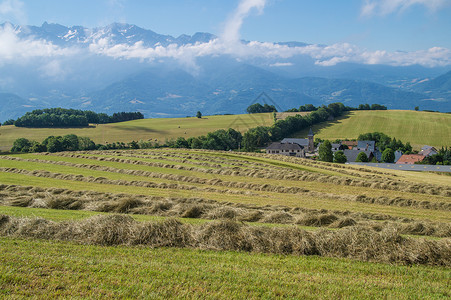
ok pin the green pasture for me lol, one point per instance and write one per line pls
(147, 129)
(417, 127)
(49, 269)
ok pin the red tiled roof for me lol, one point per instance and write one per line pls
(410, 159)
(349, 143)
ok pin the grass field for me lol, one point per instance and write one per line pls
(146, 129)
(250, 226)
(418, 128)
(33, 268)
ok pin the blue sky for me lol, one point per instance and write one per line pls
(388, 32)
(409, 25)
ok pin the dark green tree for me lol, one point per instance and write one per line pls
(70, 142)
(325, 152)
(199, 114)
(85, 143)
(21, 145)
(388, 155)
(181, 143)
(54, 144)
(362, 157)
(340, 157)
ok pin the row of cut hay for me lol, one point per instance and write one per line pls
(103, 180)
(209, 209)
(360, 243)
(383, 184)
(397, 201)
(160, 157)
(186, 159)
(180, 156)
(344, 169)
(233, 171)
(168, 165)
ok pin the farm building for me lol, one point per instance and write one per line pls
(350, 144)
(366, 146)
(351, 155)
(427, 151)
(398, 155)
(287, 149)
(337, 147)
(307, 144)
(410, 159)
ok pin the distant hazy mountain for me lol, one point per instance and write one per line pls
(214, 84)
(178, 93)
(118, 33)
(13, 106)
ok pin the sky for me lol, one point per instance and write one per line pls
(374, 31)
(405, 25)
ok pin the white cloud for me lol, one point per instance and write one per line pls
(323, 55)
(233, 25)
(13, 10)
(16, 50)
(385, 7)
(281, 64)
(53, 58)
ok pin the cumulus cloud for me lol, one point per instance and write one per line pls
(14, 49)
(385, 7)
(13, 10)
(20, 50)
(233, 25)
(281, 64)
(323, 55)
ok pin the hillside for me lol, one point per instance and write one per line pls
(171, 222)
(160, 129)
(418, 128)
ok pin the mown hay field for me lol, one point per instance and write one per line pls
(194, 223)
(417, 127)
(158, 129)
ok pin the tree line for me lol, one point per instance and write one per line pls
(61, 117)
(69, 142)
(260, 136)
(218, 140)
(311, 107)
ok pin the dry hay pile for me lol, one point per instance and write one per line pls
(356, 242)
(396, 201)
(209, 209)
(360, 180)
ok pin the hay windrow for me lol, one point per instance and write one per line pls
(210, 209)
(356, 242)
(275, 172)
(396, 201)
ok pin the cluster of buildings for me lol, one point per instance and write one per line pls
(306, 148)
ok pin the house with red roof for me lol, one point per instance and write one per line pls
(410, 159)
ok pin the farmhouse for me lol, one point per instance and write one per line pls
(337, 147)
(351, 155)
(287, 149)
(366, 146)
(410, 159)
(427, 151)
(307, 144)
(398, 155)
(350, 144)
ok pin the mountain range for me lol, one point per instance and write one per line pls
(213, 84)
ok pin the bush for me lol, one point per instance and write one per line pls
(362, 157)
(340, 157)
